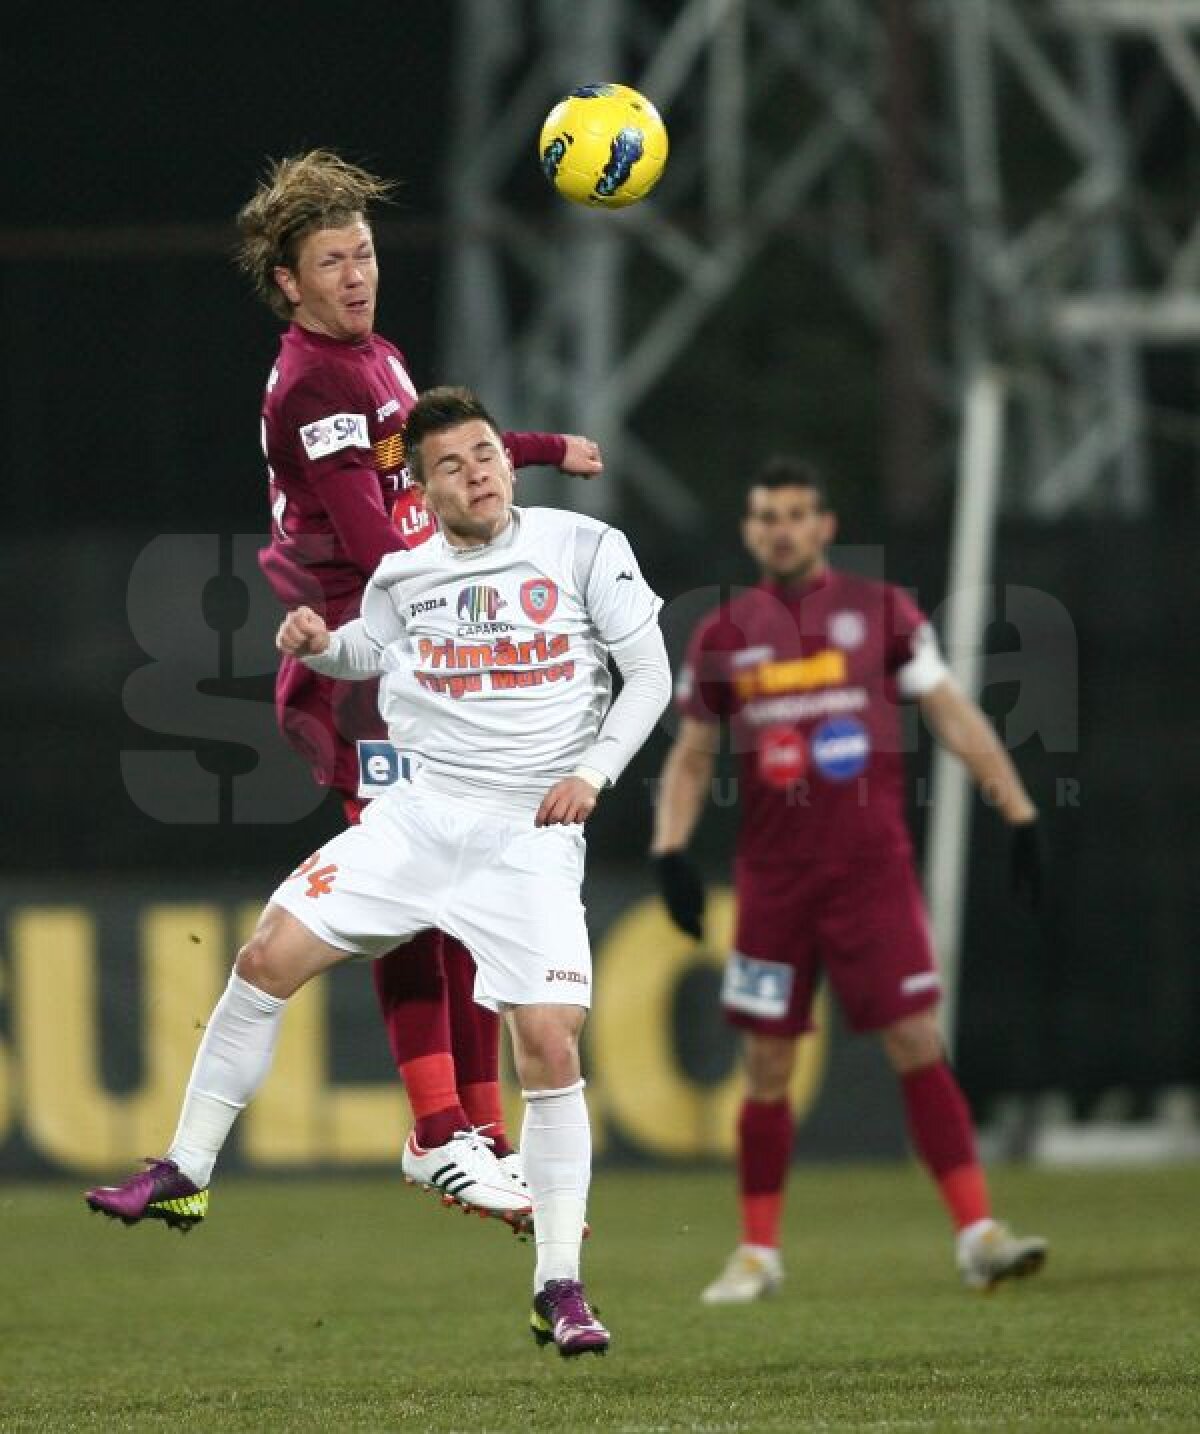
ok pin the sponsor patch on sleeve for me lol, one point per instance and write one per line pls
(330, 435)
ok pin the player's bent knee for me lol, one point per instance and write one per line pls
(253, 962)
(547, 1047)
(550, 1065)
(264, 962)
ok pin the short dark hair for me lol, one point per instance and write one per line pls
(438, 409)
(782, 470)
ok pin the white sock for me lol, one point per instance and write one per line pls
(556, 1153)
(232, 1062)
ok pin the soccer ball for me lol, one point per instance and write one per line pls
(604, 146)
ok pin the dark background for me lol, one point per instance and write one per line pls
(134, 357)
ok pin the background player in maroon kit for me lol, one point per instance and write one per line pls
(806, 668)
(332, 419)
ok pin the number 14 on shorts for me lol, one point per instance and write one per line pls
(320, 878)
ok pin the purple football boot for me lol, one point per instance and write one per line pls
(562, 1315)
(161, 1192)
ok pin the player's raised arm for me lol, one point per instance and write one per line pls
(581, 456)
(348, 653)
(569, 452)
(302, 633)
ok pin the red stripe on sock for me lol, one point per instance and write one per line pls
(429, 1081)
(966, 1195)
(761, 1218)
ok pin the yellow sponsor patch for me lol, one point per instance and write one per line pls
(389, 453)
(823, 669)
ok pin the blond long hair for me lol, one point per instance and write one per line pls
(297, 197)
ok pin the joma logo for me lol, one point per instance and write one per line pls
(576, 978)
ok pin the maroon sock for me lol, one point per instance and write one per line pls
(475, 1041)
(411, 988)
(939, 1125)
(764, 1141)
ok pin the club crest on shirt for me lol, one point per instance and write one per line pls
(847, 629)
(539, 598)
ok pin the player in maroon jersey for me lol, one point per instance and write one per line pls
(332, 421)
(806, 669)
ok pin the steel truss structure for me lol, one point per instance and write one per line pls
(1031, 188)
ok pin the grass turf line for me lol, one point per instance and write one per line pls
(358, 1304)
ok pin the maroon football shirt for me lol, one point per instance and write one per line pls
(332, 431)
(806, 676)
(341, 499)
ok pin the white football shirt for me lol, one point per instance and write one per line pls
(495, 659)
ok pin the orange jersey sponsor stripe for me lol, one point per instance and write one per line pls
(823, 669)
(389, 452)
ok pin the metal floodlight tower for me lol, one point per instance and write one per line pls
(770, 108)
(1036, 113)
(1031, 183)
(1064, 263)
(1071, 262)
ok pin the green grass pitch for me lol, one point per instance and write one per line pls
(359, 1304)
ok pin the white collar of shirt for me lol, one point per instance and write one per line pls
(505, 539)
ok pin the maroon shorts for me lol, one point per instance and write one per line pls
(862, 923)
(323, 720)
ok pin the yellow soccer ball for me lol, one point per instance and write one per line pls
(603, 146)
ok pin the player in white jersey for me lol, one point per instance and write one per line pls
(493, 642)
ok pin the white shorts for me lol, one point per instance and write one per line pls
(509, 891)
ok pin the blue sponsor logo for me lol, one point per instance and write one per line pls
(840, 748)
(381, 766)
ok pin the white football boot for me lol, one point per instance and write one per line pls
(465, 1172)
(511, 1165)
(752, 1272)
(989, 1252)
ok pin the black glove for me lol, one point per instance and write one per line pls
(682, 889)
(1027, 863)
